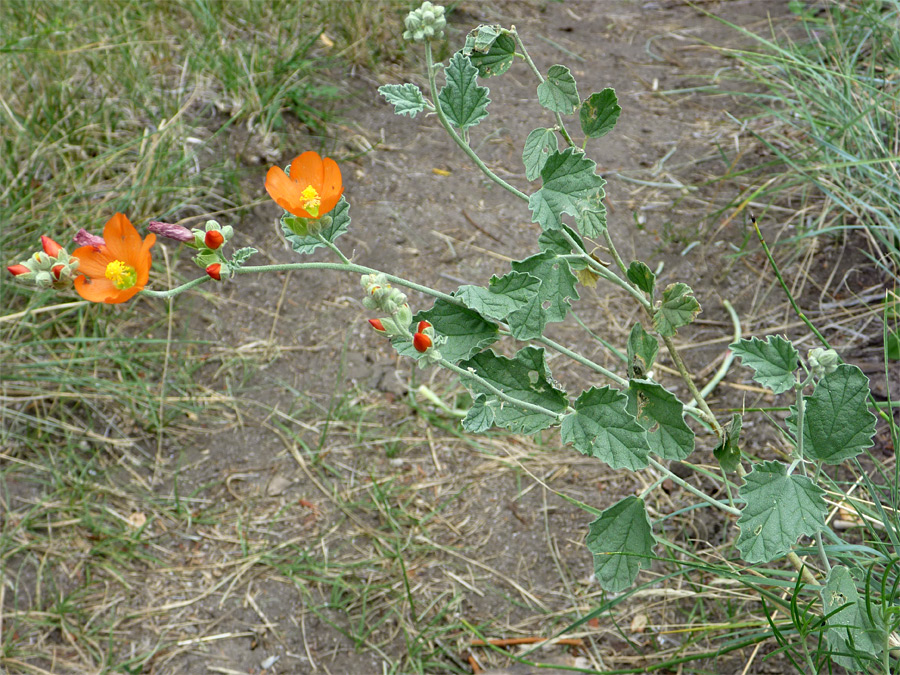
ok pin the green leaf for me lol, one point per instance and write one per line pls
(592, 221)
(599, 113)
(466, 331)
(727, 452)
(642, 350)
(490, 49)
(538, 147)
(838, 424)
(480, 417)
(642, 277)
(463, 100)
(569, 186)
(850, 630)
(773, 361)
(295, 229)
(621, 541)
(678, 308)
(662, 415)
(406, 98)
(554, 242)
(514, 298)
(603, 428)
(524, 377)
(892, 345)
(557, 283)
(558, 93)
(779, 509)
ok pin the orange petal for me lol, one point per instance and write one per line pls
(96, 289)
(308, 169)
(91, 261)
(144, 260)
(122, 240)
(332, 185)
(285, 192)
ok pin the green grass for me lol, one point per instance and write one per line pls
(824, 95)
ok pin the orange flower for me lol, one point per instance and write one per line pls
(117, 270)
(313, 188)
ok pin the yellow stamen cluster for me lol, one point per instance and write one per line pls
(310, 201)
(123, 276)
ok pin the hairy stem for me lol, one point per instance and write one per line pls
(540, 77)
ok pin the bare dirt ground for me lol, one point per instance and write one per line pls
(361, 526)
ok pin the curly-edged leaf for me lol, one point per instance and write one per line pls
(603, 428)
(570, 185)
(406, 98)
(463, 100)
(491, 50)
(539, 145)
(555, 242)
(678, 308)
(727, 451)
(621, 541)
(239, 257)
(838, 424)
(642, 350)
(855, 634)
(525, 377)
(773, 360)
(642, 277)
(296, 232)
(467, 332)
(557, 283)
(599, 113)
(514, 298)
(662, 415)
(558, 93)
(778, 510)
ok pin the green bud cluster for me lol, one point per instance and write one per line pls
(381, 296)
(46, 271)
(207, 256)
(822, 361)
(425, 23)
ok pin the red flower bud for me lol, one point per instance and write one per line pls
(57, 270)
(421, 342)
(377, 325)
(422, 326)
(16, 270)
(215, 271)
(51, 248)
(213, 239)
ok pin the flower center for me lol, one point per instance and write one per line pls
(310, 201)
(123, 276)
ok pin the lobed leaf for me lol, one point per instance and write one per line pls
(678, 308)
(467, 332)
(406, 98)
(295, 229)
(558, 284)
(773, 361)
(603, 428)
(662, 415)
(855, 631)
(570, 185)
(642, 349)
(463, 100)
(514, 298)
(539, 145)
(779, 509)
(490, 49)
(621, 541)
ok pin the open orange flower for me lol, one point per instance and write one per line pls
(313, 188)
(117, 270)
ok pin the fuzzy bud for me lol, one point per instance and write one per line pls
(377, 325)
(425, 23)
(823, 361)
(215, 271)
(213, 239)
(16, 270)
(57, 270)
(423, 325)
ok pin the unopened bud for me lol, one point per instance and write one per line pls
(215, 271)
(823, 361)
(422, 326)
(16, 270)
(85, 238)
(377, 325)
(51, 248)
(213, 239)
(421, 342)
(57, 270)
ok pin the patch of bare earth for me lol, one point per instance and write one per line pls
(328, 517)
